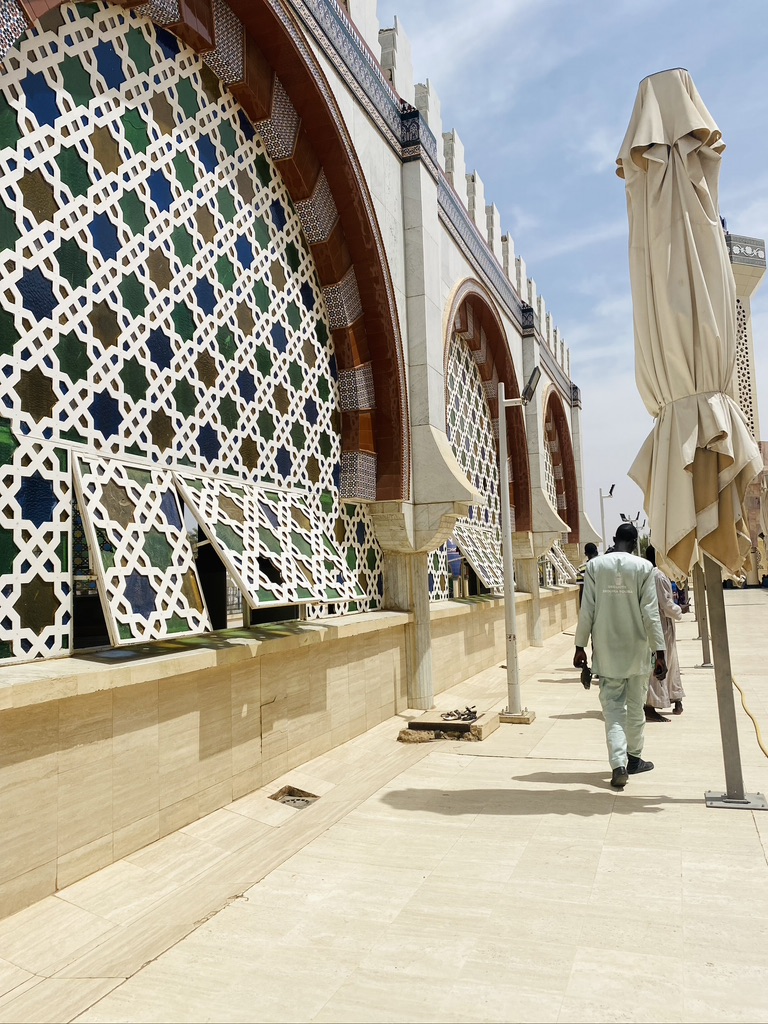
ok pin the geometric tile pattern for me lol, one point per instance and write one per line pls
(358, 475)
(227, 61)
(470, 433)
(356, 390)
(35, 543)
(279, 131)
(13, 25)
(277, 551)
(318, 213)
(146, 569)
(343, 301)
(158, 299)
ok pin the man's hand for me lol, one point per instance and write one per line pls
(660, 668)
(580, 658)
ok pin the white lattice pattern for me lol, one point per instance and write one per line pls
(159, 303)
(471, 435)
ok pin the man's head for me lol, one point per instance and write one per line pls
(590, 551)
(625, 538)
(650, 554)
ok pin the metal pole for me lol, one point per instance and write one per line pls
(602, 518)
(510, 614)
(700, 597)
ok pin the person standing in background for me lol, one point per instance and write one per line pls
(663, 693)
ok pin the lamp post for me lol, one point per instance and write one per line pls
(602, 512)
(514, 713)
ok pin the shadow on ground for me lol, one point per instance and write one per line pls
(500, 802)
(577, 716)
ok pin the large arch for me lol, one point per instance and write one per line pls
(258, 51)
(557, 436)
(471, 315)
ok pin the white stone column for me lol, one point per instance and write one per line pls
(406, 589)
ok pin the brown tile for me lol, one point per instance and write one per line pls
(254, 93)
(332, 259)
(301, 170)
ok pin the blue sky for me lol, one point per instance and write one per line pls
(540, 92)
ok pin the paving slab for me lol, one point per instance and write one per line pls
(446, 881)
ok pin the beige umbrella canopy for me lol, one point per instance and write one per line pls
(700, 456)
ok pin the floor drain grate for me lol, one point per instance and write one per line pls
(293, 797)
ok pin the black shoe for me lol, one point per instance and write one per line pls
(619, 778)
(637, 764)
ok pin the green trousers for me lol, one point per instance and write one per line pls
(622, 701)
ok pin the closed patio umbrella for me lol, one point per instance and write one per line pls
(696, 464)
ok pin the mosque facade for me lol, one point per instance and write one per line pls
(254, 314)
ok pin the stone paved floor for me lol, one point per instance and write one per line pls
(493, 881)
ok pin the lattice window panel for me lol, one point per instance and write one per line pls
(158, 299)
(439, 575)
(471, 435)
(146, 570)
(745, 371)
(278, 551)
(35, 545)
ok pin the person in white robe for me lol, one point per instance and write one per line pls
(664, 693)
(620, 611)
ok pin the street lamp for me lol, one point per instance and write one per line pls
(602, 512)
(515, 713)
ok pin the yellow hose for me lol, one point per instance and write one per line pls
(754, 720)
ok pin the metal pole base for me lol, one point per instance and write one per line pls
(751, 801)
(524, 718)
(707, 664)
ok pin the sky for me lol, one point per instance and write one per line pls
(540, 93)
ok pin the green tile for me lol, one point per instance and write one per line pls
(73, 357)
(326, 444)
(136, 131)
(62, 550)
(134, 379)
(134, 212)
(74, 171)
(261, 231)
(228, 413)
(139, 50)
(298, 436)
(296, 375)
(262, 169)
(230, 537)
(8, 333)
(73, 263)
(321, 333)
(228, 137)
(183, 320)
(159, 550)
(77, 81)
(125, 631)
(6, 651)
(226, 204)
(225, 339)
(133, 294)
(8, 443)
(8, 551)
(185, 171)
(9, 233)
(185, 398)
(264, 360)
(9, 126)
(188, 97)
(323, 389)
(261, 295)
(293, 257)
(183, 244)
(266, 424)
(294, 315)
(73, 435)
(225, 272)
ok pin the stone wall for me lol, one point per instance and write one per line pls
(101, 755)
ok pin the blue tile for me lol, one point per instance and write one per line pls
(37, 293)
(37, 499)
(41, 99)
(105, 237)
(110, 65)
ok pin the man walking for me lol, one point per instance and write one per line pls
(620, 611)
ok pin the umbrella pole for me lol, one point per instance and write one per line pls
(734, 795)
(700, 597)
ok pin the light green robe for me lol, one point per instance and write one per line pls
(620, 610)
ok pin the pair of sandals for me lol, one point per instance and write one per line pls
(467, 715)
